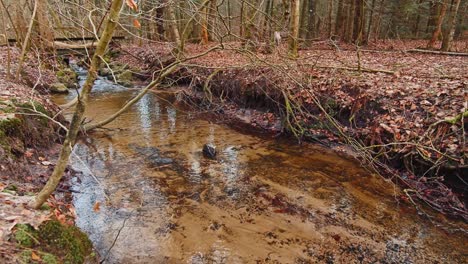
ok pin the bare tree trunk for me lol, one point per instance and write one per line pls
(25, 45)
(371, 20)
(418, 19)
(339, 19)
(160, 21)
(204, 26)
(78, 116)
(8, 66)
(173, 26)
(350, 21)
(330, 18)
(303, 23)
(311, 20)
(359, 22)
(438, 29)
(294, 34)
(18, 37)
(448, 38)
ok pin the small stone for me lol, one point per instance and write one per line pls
(209, 151)
(58, 88)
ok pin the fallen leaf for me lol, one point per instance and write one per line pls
(136, 23)
(35, 257)
(97, 207)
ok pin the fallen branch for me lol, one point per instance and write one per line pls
(357, 69)
(438, 52)
(62, 45)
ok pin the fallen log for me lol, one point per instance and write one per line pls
(62, 45)
(448, 53)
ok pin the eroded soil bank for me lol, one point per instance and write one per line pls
(30, 136)
(147, 195)
(403, 113)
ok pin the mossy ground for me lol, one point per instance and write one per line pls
(51, 243)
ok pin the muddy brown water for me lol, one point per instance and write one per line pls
(147, 195)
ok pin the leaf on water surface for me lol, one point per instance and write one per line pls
(97, 207)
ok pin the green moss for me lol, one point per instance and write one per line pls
(10, 125)
(26, 257)
(66, 241)
(25, 235)
(49, 258)
(54, 242)
(34, 106)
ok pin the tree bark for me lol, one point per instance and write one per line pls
(25, 45)
(311, 20)
(418, 19)
(294, 34)
(330, 18)
(174, 29)
(160, 21)
(371, 20)
(448, 38)
(438, 29)
(339, 23)
(78, 116)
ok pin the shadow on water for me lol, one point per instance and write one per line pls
(260, 201)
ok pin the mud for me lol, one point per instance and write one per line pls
(147, 195)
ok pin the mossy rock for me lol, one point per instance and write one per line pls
(66, 241)
(25, 235)
(58, 88)
(54, 242)
(68, 77)
(26, 257)
(10, 126)
(125, 78)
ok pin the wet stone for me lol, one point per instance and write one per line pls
(209, 151)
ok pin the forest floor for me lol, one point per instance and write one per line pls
(402, 113)
(30, 137)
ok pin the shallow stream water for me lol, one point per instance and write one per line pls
(146, 194)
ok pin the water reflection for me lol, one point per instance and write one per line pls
(170, 205)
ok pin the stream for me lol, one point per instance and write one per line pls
(146, 194)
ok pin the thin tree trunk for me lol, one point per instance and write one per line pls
(173, 26)
(204, 25)
(418, 20)
(294, 34)
(8, 66)
(330, 18)
(371, 20)
(303, 24)
(311, 20)
(25, 45)
(18, 37)
(448, 38)
(78, 116)
(438, 29)
(350, 21)
(160, 21)
(241, 26)
(339, 19)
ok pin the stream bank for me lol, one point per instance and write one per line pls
(31, 134)
(405, 118)
(147, 194)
